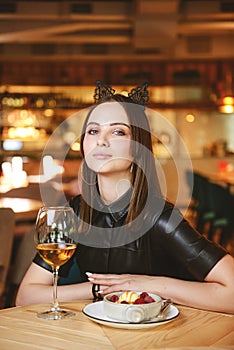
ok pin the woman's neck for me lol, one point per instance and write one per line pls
(113, 187)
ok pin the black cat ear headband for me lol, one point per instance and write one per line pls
(139, 95)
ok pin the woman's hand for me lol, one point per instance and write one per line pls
(120, 283)
(215, 293)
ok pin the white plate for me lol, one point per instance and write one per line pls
(95, 312)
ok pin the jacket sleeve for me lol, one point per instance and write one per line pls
(188, 246)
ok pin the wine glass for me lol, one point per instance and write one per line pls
(54, 238)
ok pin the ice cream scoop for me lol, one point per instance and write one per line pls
(128, 296)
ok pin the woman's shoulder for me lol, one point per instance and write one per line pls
(159, 206)
(164, 213)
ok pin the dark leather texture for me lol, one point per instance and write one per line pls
(166, 245)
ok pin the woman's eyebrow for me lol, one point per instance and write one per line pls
(111, 124)
(118, 123)
(90, 123)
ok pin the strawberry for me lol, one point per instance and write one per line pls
(114, 298)
(148, 299)
(139, 301)
(143, 295)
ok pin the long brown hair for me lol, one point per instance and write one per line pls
(144, 178)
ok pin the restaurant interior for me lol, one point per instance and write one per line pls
(52, 53)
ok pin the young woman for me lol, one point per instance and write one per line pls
(129, 237)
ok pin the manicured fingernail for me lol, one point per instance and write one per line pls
(88, 273)
(90, 279)
(100, 291)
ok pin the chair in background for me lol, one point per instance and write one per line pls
(222, 204)
(201, 204)
(7, 225)
(213, 207)
(25, 253)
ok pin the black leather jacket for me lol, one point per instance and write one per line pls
(176, 251)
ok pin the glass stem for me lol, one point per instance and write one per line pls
(55, 284)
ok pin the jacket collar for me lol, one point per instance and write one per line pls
(118, 208)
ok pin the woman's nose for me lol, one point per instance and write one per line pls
(103, 141)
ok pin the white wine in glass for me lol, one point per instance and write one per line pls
(55, 243)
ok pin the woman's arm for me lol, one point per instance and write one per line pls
(215, 293)
(36, 287)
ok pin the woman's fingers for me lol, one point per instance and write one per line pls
(110, 281)
(105, 276)
(121, 283)
(107, 279)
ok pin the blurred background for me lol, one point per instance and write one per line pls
(52, 53)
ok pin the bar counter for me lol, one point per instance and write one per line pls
(20, 329)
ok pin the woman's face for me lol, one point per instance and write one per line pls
(107, 140)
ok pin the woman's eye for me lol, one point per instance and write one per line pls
(92, 131)
(119, 132)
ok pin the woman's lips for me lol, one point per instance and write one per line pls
(102, 156)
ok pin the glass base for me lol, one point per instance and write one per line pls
(55, 314)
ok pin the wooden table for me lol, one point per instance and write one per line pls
(20, 329)
(24, 208)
